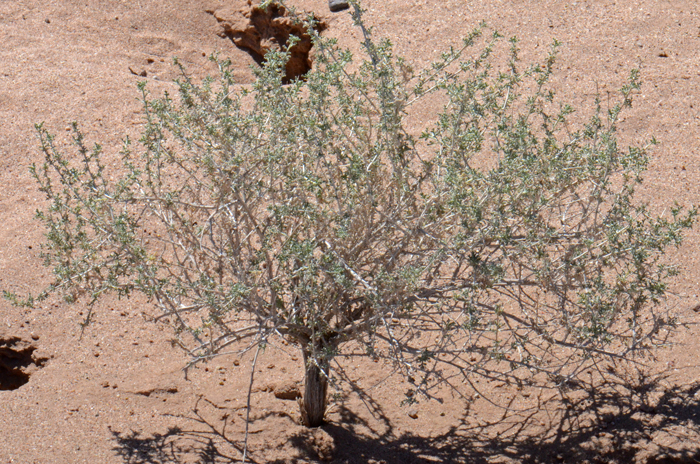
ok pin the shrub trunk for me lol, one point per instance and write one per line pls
(313, 404)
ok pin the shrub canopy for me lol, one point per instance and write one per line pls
(500, 240)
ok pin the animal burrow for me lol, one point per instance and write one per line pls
(18, 361)
(257, 31)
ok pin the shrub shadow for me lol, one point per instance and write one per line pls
(205, 442)
(641, 420)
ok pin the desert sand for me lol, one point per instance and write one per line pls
(117, 393)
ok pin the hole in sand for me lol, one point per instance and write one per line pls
(258, 31)
(17, 362)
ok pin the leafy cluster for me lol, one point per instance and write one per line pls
(499, 241)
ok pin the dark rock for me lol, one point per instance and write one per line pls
(338, 5)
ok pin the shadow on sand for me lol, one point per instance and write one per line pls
(627, 421)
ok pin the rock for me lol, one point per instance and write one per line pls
(258, 31)
(287, 391)
(413, 413)
(338, 5)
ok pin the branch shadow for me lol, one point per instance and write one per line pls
(205, 442)
(638, 419)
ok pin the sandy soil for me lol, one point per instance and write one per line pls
(117, 392)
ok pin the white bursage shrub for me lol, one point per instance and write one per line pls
(499, 242)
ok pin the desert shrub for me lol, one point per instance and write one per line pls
(500, 241)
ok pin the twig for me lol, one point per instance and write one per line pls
(247, 414)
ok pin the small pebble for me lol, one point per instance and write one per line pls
(338, 5)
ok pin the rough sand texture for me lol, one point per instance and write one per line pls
(118, 394)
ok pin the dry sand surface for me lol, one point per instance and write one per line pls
(118, 393)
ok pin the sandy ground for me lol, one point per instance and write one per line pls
(118, 394)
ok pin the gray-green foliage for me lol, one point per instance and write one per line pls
(499, 242)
